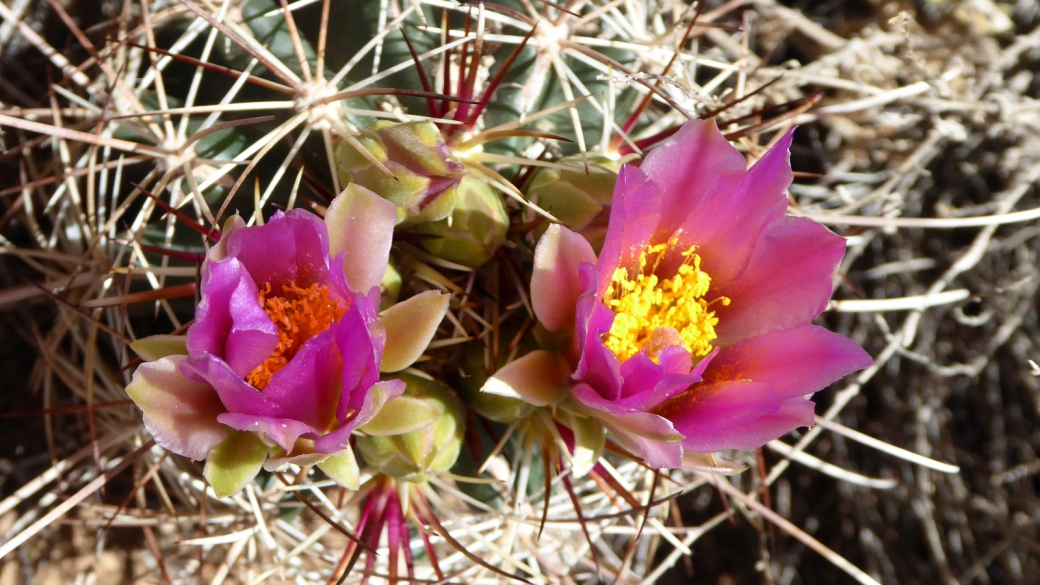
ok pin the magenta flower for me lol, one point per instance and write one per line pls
(287, 344)
(692, 330)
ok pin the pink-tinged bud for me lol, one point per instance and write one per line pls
(422, 177)
(474, 231)
(417, 435)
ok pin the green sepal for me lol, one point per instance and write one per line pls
(343, 469)
(156, 347)
(589, 441)
(403, 414)
(234, 462)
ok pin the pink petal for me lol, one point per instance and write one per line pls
(267, 252)
(253, 336)
(788, 282)
(379, 394)
(283, 431)
(361, 227)
(794, 362)
(181, 414)
(597, 365)
(790, 414)
(634, 216)
(656, 454)
(648, 384)
(686, 167)
(374, 398)
(555, 286)
(730, 220)
(706, 413)
(360, 339)
(649, 436)
(229, 322)
(307, 389)
(235, 393)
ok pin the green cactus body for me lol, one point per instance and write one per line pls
(419, 453)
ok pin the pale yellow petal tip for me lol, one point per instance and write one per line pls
(537, 378)
(410, 326)
(156, 347)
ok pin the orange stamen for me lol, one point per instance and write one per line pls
(299, 314)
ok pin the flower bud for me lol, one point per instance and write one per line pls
(417, 435)
(424, 173)
(575, 198)
(475, 229)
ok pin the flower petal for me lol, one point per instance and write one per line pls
(790, 414)
(648, 383)
(365, 404)
(646, 435)
(731, 219)
(361, 227)
(597, 365)
(234, 392)
(308, 388)
(268, 252)
(537, 378)
(180, 413)
(686, 167)
(555, 285)
(794, 362)
(634, 218)
(706, 413)
(230, 320)
(788, 282)
(283, 431)
(359, 338)
(234, 463)
(380, 394)
(656, 454)
(410, 325)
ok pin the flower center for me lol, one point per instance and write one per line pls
(299, 314)
(654, 313)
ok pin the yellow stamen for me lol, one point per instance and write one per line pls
(299, 314)
(654, 313)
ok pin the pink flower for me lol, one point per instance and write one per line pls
(692, 330)
(287, 344)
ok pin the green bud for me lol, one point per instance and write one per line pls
(475, 230)
(425, 174)
(575, 198)
(390, 288)
(419, 434)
